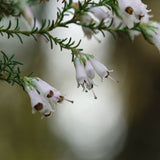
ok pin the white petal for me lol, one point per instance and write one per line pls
(89, 70)
(100, 68)
(80, 72)
(36, 100)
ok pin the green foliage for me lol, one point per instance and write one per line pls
(9, 70)
(49, 25)
(9, 8)
(73, 11)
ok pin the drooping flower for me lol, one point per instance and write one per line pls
(81, 76)
(133, 11)
(86, 66)
(100, 68)
(87, 19)
(95, 15)
(43, 96)
(118, 23)
(38, 102)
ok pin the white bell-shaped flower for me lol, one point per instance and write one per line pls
(94, 16)
(100, 68)
(36, 101)
(81, 75)
(102, 13)
(43, 96)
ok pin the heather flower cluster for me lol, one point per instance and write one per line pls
(131, 17)
(130, 14)
(86, 66)
(133, 11)
(43, 96)
(95, 15)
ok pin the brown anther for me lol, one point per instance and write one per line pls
(107, 74)
(129, 10)
(92, 86)
(38, 106)
(47, 115)
(50, 94)
(61, 98)
(140, 17)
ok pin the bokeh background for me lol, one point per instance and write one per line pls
(122, 124)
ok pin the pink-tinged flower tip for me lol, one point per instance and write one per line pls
(61, 98)
(113, 79)
(68, 100)
(109, 76)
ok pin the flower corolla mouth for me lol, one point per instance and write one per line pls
(43, 96)
(47, 114)
(38, 106)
